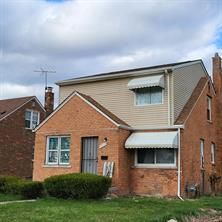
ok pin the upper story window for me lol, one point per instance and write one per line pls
(148, 90)
(31, 119)
(149, 95)
(58, 150)
(209, 108)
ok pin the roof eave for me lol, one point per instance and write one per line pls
(17, 108)
(113, 76)
(75, 93)
(125, 73)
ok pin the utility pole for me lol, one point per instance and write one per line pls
(45, 73)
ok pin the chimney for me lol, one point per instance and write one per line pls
(217, 73)
(49, 100)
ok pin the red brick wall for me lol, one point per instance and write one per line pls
(152, 181)
(78, 119)
(198, 127)
(157, 181)
(217, 77)
(17, 143)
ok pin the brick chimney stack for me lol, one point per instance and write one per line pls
(217, 74)
(49, 100)
(217, 80)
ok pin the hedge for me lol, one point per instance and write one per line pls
(10, 184)
(32, 190)
(16, 185)
(77, 186)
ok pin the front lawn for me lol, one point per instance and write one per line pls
(122, 209)
(9, 197)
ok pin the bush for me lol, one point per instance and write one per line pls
(30, 189)
(19, 186)
(10, 184)
(77, 186)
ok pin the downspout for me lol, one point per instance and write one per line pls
(179, 168)
(168, 98)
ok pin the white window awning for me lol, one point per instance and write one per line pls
(152, 140)
(148, 81)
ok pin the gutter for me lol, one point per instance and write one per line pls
(168, 102)
(179, 168)
(112, 76)
(150, 128)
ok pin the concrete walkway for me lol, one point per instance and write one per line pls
(16, 201)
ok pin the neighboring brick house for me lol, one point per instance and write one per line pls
(18, 117)
(160, 126)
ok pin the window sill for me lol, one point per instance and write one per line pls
(155, 167)
(151, 104)
(56, 166)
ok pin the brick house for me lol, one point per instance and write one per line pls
(159, 128)
(18, 118)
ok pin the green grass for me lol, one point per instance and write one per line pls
(122, 209)
(9, 197)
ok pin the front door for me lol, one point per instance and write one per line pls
(89, 154)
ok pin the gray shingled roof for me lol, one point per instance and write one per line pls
(116, 73)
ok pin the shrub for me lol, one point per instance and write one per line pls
(16, 185)
(30, 189)
(77, 186)
(10, 184)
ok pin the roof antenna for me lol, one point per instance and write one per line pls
(45, 72)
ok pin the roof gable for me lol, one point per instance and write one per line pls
(9, 106)
(90, 101)
(187, 109)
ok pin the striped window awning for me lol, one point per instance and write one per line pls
(152, 140)
(148, 81)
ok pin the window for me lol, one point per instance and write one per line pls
(164, 157)
(202, 153)
(31, 119)
(213, 152)
(149, 95)
(58, 150)
(209, 108)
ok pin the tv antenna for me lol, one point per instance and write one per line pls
(45, 73)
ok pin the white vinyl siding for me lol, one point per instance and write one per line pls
(185, 80)
(117, 98)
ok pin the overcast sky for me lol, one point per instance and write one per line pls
(82, 37)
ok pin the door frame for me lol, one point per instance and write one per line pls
(81, 156)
